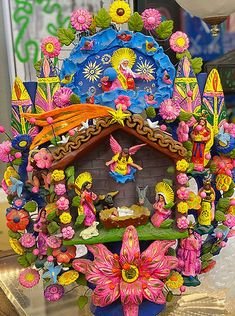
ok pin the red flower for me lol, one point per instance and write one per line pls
(17, 220)
(64, 254)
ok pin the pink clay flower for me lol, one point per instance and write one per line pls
(229, 128)
(51, 47)
(5, 148)
(29, 277)
(151, 18)
(222, 164)
(179, 42)
(27, 240)
(122, 101)
(62, 204)
(68, 232)
(169, 110)
(182, 178)
(62, 97)
(182, 222)
(182, 132)
(43, 159)
(81, 19)
(132, 276)
(183, 193)
(60, 189)
(230, 220)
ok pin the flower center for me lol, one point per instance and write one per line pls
(151, 20)
(120, 11)
(29, 277)
(63, 249)
(130, 273)
(16, 219)
(23, 143)
(50, 47)
(180, 41)
(81, 19)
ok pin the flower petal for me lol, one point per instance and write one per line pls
(103, 295)
(130, 309)
(81, 265)
(153, 290)
(130, 251)
(131, 293)
(164, 268)
(156, 249)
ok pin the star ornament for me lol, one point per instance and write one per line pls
(118, 116)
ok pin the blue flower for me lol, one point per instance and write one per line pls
(16, 187)
(21, 142)
(18, 203)
(52, 272)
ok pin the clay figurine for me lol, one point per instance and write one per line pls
(143, 200)
(149, 99)
(188, 254)
(83, 185)
(122, 167)
(40, 226)
(90, 232)
(200, 135)
(164, 199)
(109, 80)
(207, 210)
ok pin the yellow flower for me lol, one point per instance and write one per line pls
(194, 201)
(175, 280)
(10, 172)
(68, 277)
(231, 210)
(120, 11)
(58, 175)
(223, 182)
(65, 218)
(182, 207)
(182, 165)
(16, 246)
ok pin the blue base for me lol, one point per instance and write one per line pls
(147, 308)
(120, 178)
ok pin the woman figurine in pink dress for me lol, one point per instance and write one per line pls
(40, 226)
(87, 199)
(164, 199)
(189, 254)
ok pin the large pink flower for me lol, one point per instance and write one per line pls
(223, 165)
(179, 42)
(151, 18)
(169, 110)
(62, 97)
(122, 101)
(5, 148)
(62, 203)
(51, 46)
(43, 159)
(131, 276)
(182, 178)
(182, 132)
(81, 19)
(229, 128)
(183, 193)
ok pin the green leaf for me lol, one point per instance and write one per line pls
(169, 205)
(171, 252)
(151, 112)
(167, 223)
(206, 257)
(22, 260)
(223, 204)
(17, 161)
(76, 201)
(206, 247)
(135, 23)
(205, 264)
(168, 181)
(74, 99)
(230, 191)
(103, 19)
(65, 36)
(219, 216)
(79, 220)
(13, 234)
(164, 30)
(215, 248)
(82, 301)
(30, 257)
(49, 251)
(185, 116)
(169, 296)
(184, 54)
(69, 171)
(52, 215)
(81, 280)
(171, 170)
(38, 65)
(52, 228)
(188, 145)
(197, 63)
(213, 168)
(30, 206)
(55, 140)
(190, 167)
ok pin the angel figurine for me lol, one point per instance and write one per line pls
(122, 167)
